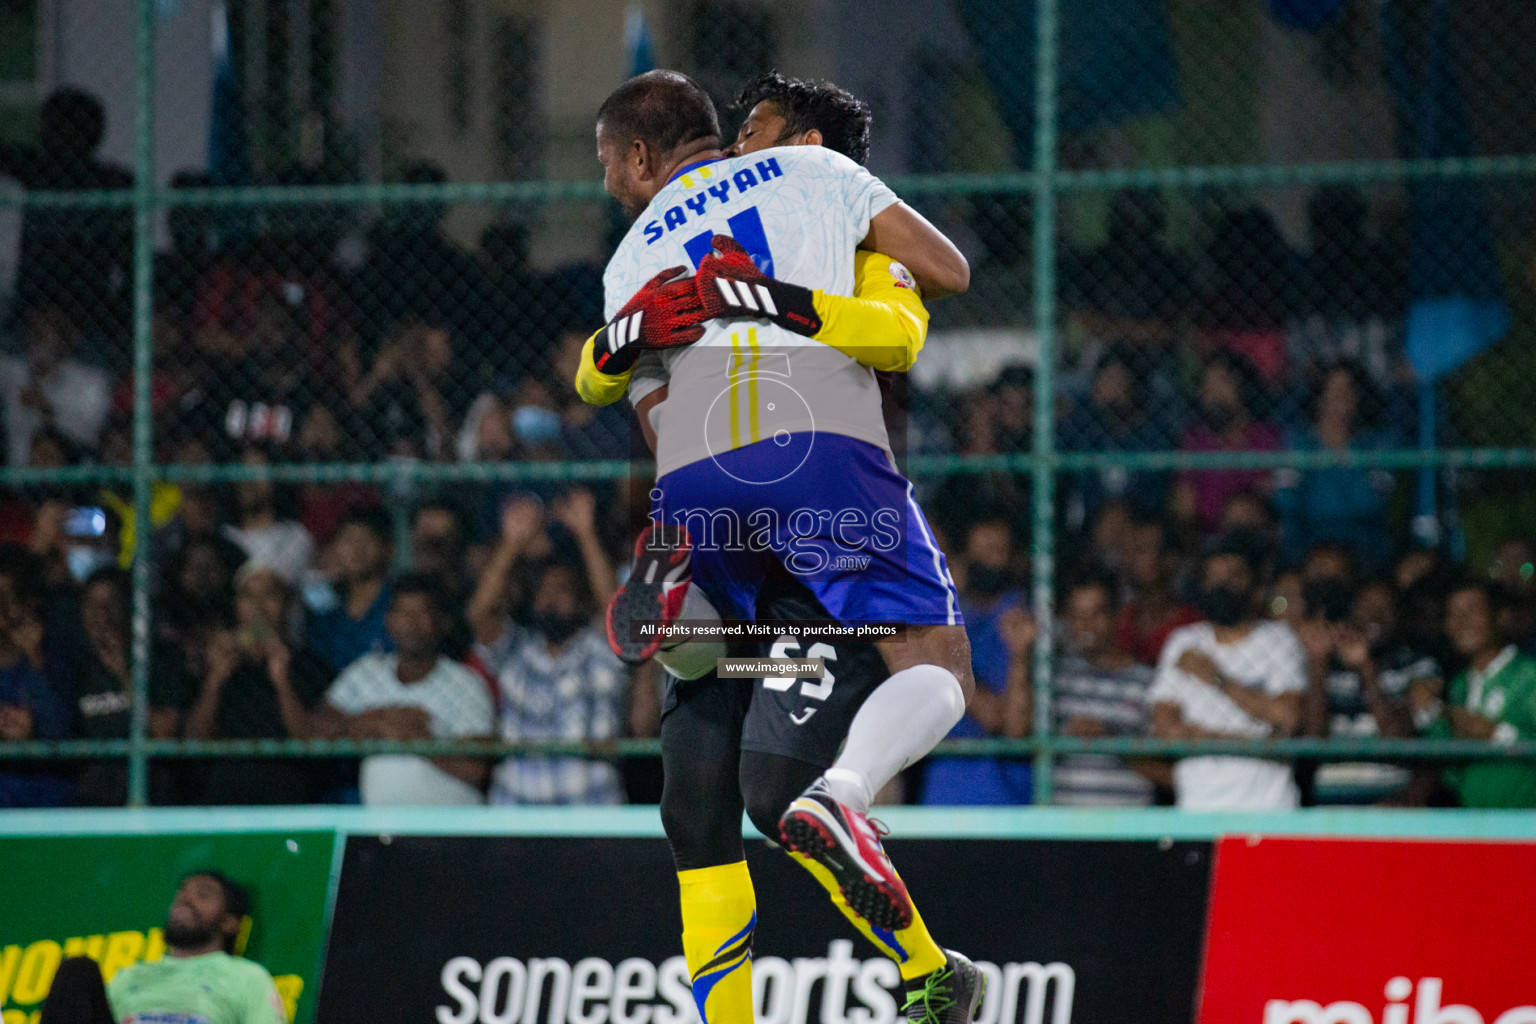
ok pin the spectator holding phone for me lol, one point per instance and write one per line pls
(258, 684)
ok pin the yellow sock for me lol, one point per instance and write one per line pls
(913, 949)
(719, 915)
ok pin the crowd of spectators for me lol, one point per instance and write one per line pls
(1212, 603)
(1224, 640)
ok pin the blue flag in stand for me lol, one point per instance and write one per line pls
(229, 152)
(1457, 307)
(637, 41)
(229, 156)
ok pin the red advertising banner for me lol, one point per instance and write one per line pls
(1305, 931)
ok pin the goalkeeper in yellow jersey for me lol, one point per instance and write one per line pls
(730, 745)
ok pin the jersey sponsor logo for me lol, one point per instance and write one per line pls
(163, 1017)
(902, 276)
(721, 193)
(836, 987)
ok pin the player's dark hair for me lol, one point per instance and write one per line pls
(663, 109)
(843, 119)
(237, 898)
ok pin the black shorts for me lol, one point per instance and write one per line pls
(806, 719)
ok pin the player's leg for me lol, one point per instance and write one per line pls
(701, 811)
(907, 715)
(903, 579)
(769, 783)
(792, 732)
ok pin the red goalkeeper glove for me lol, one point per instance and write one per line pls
(730, 285)
(664, 313)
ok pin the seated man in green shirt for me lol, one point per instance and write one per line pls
(1493, 699)
(198, 981)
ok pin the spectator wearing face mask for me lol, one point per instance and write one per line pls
(556, 678)
(512, 423)
(589, 431)
(89, 538)
(1002, 633)
(1233, 676)
(351, 622)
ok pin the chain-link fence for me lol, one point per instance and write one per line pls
(1251, 308)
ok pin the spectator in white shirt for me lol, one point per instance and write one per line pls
(412, 694)
(1232, 677)
(272, 542)
(49, 388)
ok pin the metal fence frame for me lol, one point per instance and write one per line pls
(1045, 182)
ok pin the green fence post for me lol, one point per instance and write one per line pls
(1043, 471)
(143, 368)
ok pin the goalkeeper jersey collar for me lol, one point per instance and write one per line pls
(692, 167)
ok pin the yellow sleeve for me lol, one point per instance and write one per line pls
(884, 324)
(594, 386)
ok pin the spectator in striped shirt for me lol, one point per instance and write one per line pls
(556, 679)
(1099, 691)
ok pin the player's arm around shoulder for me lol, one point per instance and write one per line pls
(884, 324)
(593, 385)
(906, 235)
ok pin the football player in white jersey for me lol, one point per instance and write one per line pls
(800, 456)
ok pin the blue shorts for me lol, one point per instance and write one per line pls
(838, 516)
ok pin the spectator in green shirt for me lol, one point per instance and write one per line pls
(198, 979)
(1493, 699)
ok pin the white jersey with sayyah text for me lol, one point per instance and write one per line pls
(801, 211)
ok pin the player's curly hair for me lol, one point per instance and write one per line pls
(843, 119)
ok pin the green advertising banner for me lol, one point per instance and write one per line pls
(106, 897)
